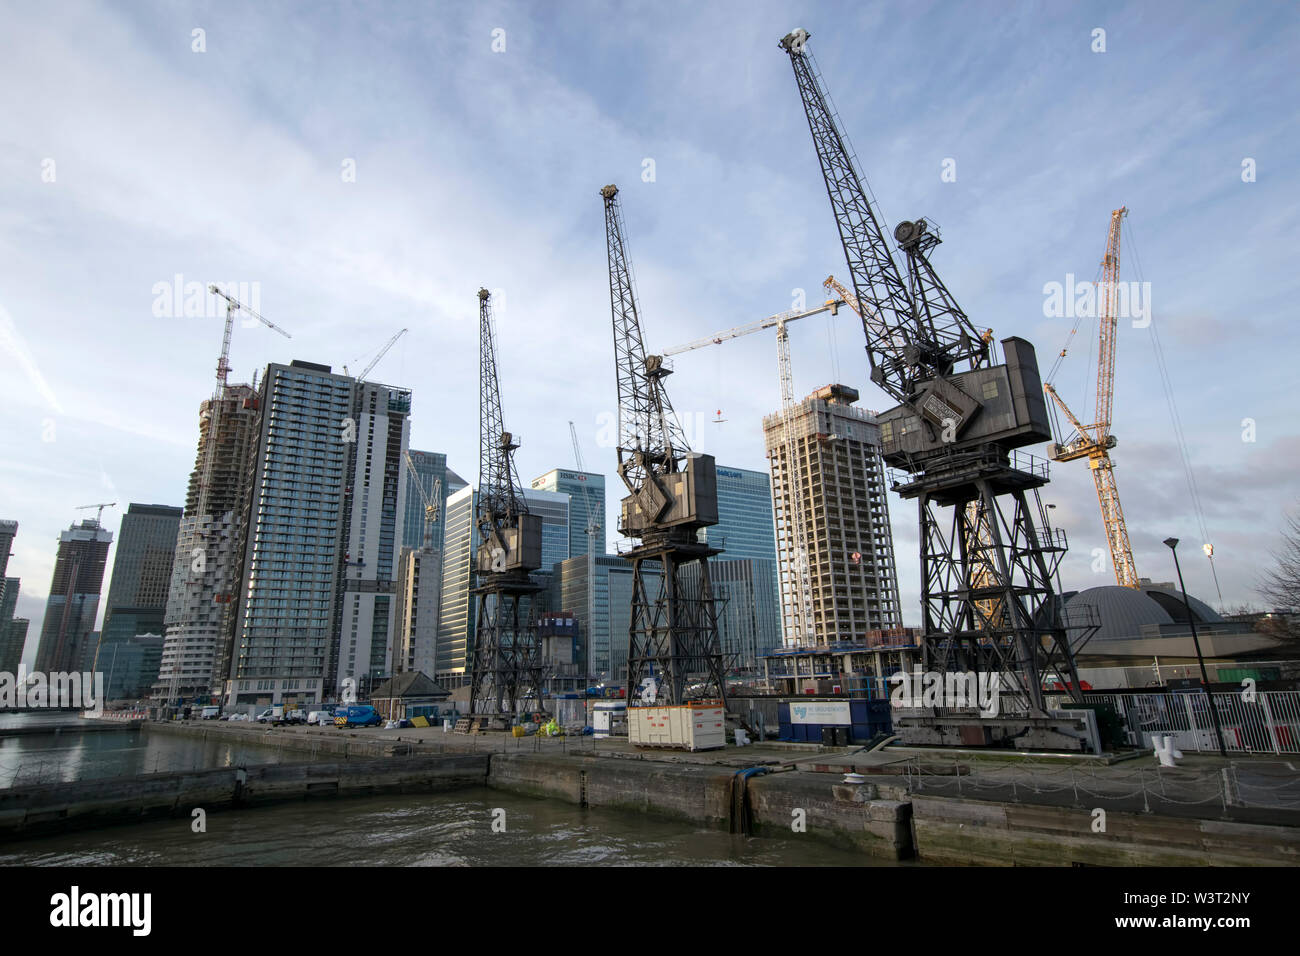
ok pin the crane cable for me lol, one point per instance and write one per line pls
(1176, 421)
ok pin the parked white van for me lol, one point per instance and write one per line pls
(322, 718)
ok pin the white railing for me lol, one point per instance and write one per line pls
(1268, 723)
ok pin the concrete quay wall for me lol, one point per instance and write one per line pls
(58, 808)
(706, 795)
(325, 741)
(879, 817)
(954, 831)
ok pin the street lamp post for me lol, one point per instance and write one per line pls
(1172, 543)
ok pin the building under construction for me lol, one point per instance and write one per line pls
(199, 622)
(850, 560)
(70, 610)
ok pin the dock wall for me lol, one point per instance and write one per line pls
(984, 833)
(879, 818)
(781, 804)
(57, 808)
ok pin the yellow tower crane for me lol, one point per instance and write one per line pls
(1095, 441)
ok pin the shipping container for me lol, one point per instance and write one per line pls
(699, 725)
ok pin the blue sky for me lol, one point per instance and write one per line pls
(477, 167)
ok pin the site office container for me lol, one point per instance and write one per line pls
(609, 719)
(861, 720)
(699, 725)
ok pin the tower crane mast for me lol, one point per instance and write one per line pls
(233, 306)
(1095, 441)
(952, 435)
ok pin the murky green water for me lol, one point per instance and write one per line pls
(448, 829)
(69, 755)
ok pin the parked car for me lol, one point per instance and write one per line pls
(266, 716)
(357, 715)
(321, 718)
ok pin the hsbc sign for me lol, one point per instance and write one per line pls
(564, 476)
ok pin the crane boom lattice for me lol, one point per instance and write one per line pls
(988, 558)
(672, 494)
(1095, 441)
(506, 668)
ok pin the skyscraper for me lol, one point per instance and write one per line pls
(586, 492)
(554, 509)
(204, 586)
(419, 570)
(73, 603)
(367, 621)
(419, 597)
(833, 459)
(8, 531)
(457, 612)
(602, 605)
(129, 665)
(13, 632)
(430, 466)
(11, 643)
(142, 570)
(749, 609)
(745, 580)
(323, 536)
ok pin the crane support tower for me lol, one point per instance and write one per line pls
(672, 494)
(506, 669)
(985, 542)
(1095, 441)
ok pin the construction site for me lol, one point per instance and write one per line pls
(865, 623)
(970, 408)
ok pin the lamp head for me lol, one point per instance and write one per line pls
(1171, 542)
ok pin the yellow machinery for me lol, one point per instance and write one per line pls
(1095, 441)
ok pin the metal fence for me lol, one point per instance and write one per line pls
(1268, 723)
(1129, 786)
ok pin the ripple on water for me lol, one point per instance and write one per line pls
(440, 829)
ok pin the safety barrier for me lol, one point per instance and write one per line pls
(1267, 722)
(1116, 786)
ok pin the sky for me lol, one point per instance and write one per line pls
(365, 167)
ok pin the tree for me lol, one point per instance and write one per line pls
(1281, 585)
